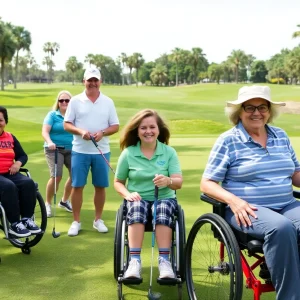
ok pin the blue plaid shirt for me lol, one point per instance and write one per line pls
(260, 176)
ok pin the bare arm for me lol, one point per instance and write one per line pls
(120, 187)
(46, 135)
(296, 179)
(241, 208)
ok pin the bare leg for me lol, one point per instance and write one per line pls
(163, 236)
(99, 200)
(50, 189)
(136, 235)
(67, 189)
(76, 199)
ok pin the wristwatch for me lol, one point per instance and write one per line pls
(103, 132)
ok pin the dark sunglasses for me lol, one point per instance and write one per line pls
(64, 100)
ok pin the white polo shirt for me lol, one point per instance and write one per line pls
(93, 117)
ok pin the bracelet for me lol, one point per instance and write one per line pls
(171, 181)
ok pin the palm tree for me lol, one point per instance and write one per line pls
(31, 62)
(130, 65)
(159, 75)
(50, 49)
(296, 34)
(292, 63)
(123, 59)
(23, 39)
(90, 59)
(138, 61)
(197, 60)
(8, 46)
(73, 66)
(176, 57)
(237, 58)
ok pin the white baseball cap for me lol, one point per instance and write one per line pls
(91, 73)
(255, 91)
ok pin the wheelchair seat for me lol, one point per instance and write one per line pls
(210, 275)
(40, 218)
(121, 249)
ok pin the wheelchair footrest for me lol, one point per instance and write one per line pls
(168, 281)
(128, 281)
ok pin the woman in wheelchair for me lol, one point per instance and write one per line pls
(145, 162)
(257, 168)
(17, 192)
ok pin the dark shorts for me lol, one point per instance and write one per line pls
(137, 211)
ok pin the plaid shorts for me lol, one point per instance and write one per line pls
(137, 211)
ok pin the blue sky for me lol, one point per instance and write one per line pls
(154, 27)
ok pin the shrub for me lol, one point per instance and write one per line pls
(275, 80)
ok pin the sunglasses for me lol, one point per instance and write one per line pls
(263, 108)
(64, 100)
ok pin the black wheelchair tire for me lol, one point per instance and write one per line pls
(220, 232)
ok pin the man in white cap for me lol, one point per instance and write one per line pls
(90, 114)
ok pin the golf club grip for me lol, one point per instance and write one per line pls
(94, 141)
(60, 147)
(156, 193)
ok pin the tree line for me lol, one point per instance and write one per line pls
(174, 68)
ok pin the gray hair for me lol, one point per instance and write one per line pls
(55, 105)
(233, 113)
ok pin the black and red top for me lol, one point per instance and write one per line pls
(10, 151)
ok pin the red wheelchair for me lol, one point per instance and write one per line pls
(217, 256)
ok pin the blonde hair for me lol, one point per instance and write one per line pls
(129, 136)
(55, 105)
(233, 113)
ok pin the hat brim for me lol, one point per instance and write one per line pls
(240, 101)
(89, 77)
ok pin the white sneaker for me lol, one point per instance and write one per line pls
(48, 210)
(74, 229)
(134, 269)
(165, 269)
(99, 225)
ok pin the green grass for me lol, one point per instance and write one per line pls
(82, 267)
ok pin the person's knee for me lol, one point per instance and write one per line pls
(10, 188)
(283, 227)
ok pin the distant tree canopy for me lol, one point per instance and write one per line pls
(180, 66)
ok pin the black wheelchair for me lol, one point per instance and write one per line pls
(121, 250)
(39, 217)
(217, 255)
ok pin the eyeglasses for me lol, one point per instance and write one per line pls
(263, 108)
(64, 100)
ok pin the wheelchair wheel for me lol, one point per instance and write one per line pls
(213, 263)
(121, 250)
(40, 218)
(178, 245)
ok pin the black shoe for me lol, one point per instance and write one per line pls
(66, 205)
(31, 226)
(18, 229)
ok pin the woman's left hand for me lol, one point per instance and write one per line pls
(14, 168)
(161, 180)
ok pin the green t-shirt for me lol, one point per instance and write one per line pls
(139, 171)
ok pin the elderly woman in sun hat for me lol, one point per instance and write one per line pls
(257, 168)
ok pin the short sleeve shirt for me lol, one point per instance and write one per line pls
(139, 171)
(93, 117)
(260, 176)
(58, 135)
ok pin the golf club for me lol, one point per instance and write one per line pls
(152, 295)
(107, 162)
(55, 234)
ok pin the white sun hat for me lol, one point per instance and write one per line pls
(91, 73)
(254, 91)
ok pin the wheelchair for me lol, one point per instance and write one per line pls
(217, 255)
(39, 217)
(121, 250)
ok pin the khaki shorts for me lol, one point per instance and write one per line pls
(63, 158)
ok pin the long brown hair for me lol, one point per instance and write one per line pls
(129, 136)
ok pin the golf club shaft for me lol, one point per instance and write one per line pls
(153, 234)
(107, 162)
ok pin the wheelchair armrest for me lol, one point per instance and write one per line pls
(218, 207)
(23, 170)
(296, 194)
